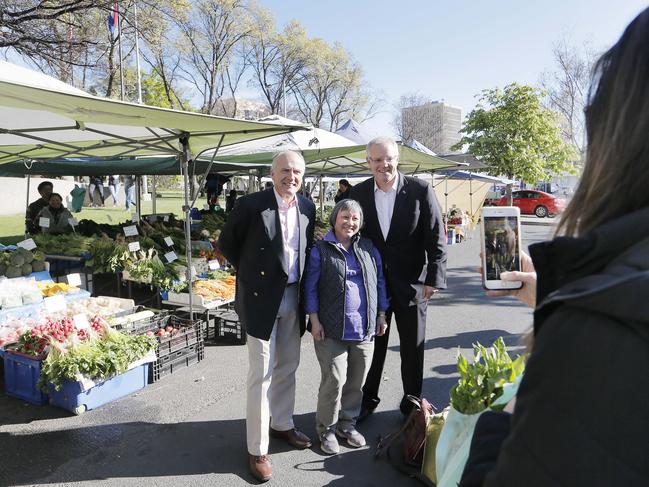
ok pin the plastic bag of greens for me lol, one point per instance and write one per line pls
(489, 383)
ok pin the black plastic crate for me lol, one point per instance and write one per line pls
(175, 361)
(229, 327)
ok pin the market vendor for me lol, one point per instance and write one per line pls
(45, 190)
(54, 218)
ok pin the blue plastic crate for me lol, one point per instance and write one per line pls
(21, 378)
(72, 398)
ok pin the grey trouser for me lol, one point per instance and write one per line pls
(344, 366)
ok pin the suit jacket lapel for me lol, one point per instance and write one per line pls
(304, 223)
(273, 227)
(398, 203)
(370, 205)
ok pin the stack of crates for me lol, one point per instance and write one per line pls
(181, 347)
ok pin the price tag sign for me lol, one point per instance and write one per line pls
(74, 279)
(44, 222)
(134, 217)
(73, 222)
(193, 272)
(81, 322)
(169, 242)
(171, 256)
(130, 231)
(214, 265)
(166, 218)
(28, 244)
(134, 246)
(55, 304)
(206, 207)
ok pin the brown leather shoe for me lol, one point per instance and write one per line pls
(260, 467)
(293, 437)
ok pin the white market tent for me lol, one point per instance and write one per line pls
(42, 118)
(355, 132)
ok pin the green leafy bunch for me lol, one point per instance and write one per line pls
(97, 359)
(481, 382)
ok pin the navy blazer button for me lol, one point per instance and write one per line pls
(261, 248)
(255, 294)
(262, 273)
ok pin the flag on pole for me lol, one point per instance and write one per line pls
(112, 20)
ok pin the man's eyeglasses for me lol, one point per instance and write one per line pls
(382, 160)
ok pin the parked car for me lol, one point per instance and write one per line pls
(533, 202)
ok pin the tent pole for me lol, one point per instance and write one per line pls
(184, 164)
(153, 197)
(29, 177)
(138, 200)
(321, 197)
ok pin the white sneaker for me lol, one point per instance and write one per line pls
(329, 443)
(353, 437)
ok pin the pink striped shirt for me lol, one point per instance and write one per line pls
(289, 220)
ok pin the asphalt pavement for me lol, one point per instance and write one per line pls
(189, 428)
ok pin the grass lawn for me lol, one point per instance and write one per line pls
(13, 226)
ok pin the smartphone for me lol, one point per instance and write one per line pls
(501, 246)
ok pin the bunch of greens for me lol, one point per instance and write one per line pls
(66, 244)
(481, 383)
(108, 255)
(97, 360)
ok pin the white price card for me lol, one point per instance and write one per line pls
(171, 256)
(169, 242)
(130, 231)
(73, 222)
(134, 246)
(74, 279)
(44, 222)
(206, 207)
(55, 304)
(166, 218)
(134, 217)
(214, 265)
(193, 272)
(28, 244)
(81, 321)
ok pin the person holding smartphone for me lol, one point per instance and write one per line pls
(580, 415)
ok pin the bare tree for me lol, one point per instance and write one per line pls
(566, 87)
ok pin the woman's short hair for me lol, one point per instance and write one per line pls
(346, 205)
(57, 195)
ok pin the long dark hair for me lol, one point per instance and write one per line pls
(616, 172)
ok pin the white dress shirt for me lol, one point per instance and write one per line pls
(289, 219)
(384, 201)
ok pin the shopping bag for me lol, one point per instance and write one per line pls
(454, 442)
(433, 430)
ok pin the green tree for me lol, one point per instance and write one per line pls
(515, 135)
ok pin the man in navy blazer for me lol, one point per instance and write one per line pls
(403, 220)
(266, 239)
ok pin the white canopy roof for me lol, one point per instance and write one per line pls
(43, 118)
(355, 132)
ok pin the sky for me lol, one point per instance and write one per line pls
(453, 49)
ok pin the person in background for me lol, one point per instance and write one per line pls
(31, 224)
(580, 415)
(265, 238)
(344, 189)
(230, 200)
(96, 182)
(404, 222)
(129, 190)
(214, 187)
(55, 216)
(113, 186)
(268, 185)
(346, 300)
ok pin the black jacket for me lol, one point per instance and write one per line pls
(252, 242)
(582, 414)
(414, 252)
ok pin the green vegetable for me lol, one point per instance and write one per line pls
(481, 383)
(97, 359)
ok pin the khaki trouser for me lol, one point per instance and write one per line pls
(344, 366)
(271, 376)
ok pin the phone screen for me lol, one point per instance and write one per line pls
(501, 246)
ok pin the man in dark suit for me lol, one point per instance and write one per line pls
(266, 238)
(403, 220)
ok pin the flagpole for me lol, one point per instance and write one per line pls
(119, 45)
(137, 58)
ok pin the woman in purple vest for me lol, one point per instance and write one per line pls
(346, 299)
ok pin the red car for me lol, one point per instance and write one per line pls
(534, 202)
